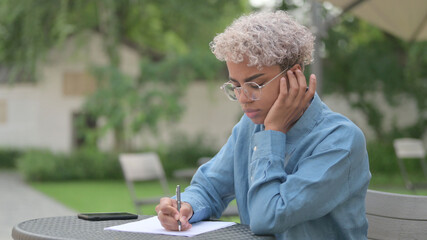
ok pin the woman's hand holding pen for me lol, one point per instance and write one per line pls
(168, 214)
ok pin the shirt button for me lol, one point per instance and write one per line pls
(255, 148)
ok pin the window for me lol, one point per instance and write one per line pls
(78, 84)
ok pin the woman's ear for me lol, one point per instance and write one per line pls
(295, 67)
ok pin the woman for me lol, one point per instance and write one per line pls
(296, 169)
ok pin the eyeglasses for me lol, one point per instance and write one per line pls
(251, 89)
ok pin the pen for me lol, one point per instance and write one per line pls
(178, 201)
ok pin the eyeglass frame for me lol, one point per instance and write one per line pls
(239, 89)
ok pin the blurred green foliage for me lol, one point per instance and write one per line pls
(172, 38)
(91, 164)
(129, 105)
(44, 165)
(8, 157)
(157, 29)
(385, 169)
(184, 152)
(363, 61)
(382, 158)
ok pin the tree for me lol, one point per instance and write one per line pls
(363, 60)
(155, 28)
(171, 36)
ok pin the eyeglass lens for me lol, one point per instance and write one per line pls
(250, 89)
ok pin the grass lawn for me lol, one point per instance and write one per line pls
(113, 196)
(103, 196)
(395, 184)
(106, 196)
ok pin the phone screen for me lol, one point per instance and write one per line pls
(107, 216)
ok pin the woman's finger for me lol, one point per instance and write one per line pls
(311, 89)
(293, 84)
(302, 84)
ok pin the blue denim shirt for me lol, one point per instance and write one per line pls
(309, 183)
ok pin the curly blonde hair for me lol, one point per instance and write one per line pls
(266, 39)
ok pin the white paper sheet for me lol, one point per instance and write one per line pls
(152, 225)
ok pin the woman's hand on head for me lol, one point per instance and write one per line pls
(293, 100)
(168, 214)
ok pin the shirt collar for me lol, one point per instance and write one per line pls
(307, 121)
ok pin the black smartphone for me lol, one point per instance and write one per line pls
(107, 216)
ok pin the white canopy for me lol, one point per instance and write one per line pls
(406, 19)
